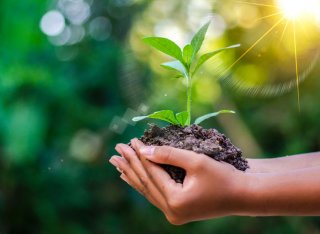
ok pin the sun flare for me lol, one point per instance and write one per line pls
(294, 9)
(296, 23)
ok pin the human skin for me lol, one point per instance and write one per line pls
(282, 164)
(214, 189)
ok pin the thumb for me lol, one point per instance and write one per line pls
(171, 156)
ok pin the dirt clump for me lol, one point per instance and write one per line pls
(200, 140)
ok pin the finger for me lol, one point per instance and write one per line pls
(134, 162)
(158, 171)
(172, 156)
(123, 166)
(145, 185)
(127, 180)
(130, 178)
(160, 177)
(165, 184)
(112, 162)
(151, 200)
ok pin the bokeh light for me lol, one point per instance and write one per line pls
(76, 11)
(100, 28)
(52, 23)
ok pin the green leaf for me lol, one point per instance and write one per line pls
(206, 57)
(183, 118)
(139, 118)
(210, 115)
(165, 45)
(165, 115)
(187, 54)
(178, 76)
(198, 38)
(175, 66)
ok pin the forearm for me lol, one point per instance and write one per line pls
(283, 164)
(281, 194)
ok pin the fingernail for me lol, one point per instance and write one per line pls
(147, 150)
(118, 148)
(114, 162)
(119, 170)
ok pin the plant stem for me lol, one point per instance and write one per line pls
(189, 89)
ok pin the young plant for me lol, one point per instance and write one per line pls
(185, 65)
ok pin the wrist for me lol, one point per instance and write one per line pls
(261, 165)
(245, 194)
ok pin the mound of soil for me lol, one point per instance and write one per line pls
(197, 139)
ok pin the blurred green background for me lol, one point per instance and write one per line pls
(74, 72)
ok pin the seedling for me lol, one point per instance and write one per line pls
(181, 133)
(186, 65)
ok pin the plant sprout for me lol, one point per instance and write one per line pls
(185, 65)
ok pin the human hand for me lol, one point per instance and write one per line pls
(210, 188)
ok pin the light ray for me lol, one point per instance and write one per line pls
(254, 44)
(257, 4)
(293, 12)
(284, 31)
(296, 62)
(268, 16)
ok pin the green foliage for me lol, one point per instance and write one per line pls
(210, 115)
(166, 115)
(205, 57)
(198, 39)
(176, 66)
(183, 67)
(165, 45)
(183, 118)
(188, 54)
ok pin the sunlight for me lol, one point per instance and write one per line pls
(294, 22)
(294, 9)
(254, 44)
(296, 63)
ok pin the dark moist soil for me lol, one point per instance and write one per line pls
(197, 139)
